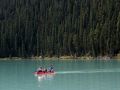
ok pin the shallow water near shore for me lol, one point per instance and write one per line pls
(70, 75)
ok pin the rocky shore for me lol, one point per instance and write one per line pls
(117, 57)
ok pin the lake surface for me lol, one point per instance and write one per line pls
(70, 75)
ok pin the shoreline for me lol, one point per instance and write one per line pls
(85, 58)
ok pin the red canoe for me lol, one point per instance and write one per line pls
(44, 73)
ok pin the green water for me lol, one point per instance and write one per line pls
(70, 75)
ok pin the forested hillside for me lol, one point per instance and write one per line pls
(59, 27)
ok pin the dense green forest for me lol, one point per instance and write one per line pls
(59, 27)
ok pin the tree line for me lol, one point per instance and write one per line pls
(59, 27)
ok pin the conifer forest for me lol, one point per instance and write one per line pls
(59, 27)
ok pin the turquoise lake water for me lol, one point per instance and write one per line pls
(70, 75)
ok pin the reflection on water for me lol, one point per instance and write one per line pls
(41, 78)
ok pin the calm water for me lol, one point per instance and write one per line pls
(70, 75)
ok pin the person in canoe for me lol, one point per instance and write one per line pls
(51, 69)
(45, 70)
(40, 69)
